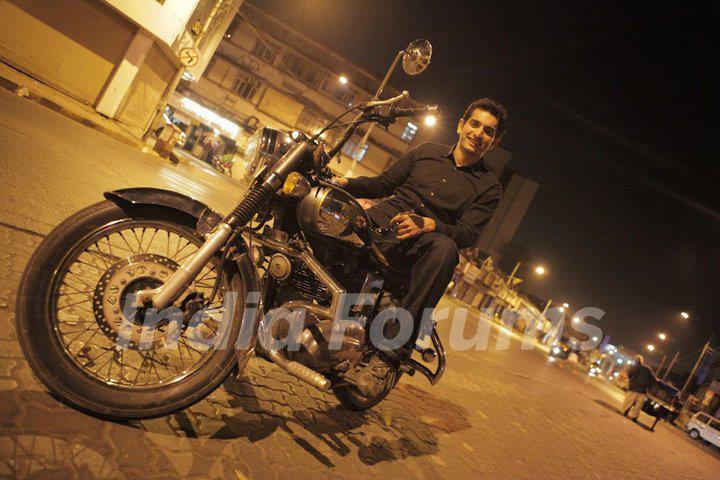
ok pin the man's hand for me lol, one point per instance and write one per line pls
(411, 225)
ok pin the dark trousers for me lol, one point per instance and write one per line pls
(431, 259)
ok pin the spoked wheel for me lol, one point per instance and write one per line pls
(87, 341)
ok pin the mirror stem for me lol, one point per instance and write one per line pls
(388, 75)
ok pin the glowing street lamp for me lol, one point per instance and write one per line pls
(662, 336)
(343, 79)
(685, 315)
(565, 305)
(651, 347)
(430, 120)
(576, 320)
(540, 270)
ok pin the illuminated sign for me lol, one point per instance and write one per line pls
(210, 117)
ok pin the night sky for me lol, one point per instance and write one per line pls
(613, 110)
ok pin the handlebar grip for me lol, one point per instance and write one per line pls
(414, 111)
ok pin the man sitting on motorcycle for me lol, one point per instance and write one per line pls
(439, 197)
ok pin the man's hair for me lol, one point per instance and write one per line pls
(639, 358)
(493, 107)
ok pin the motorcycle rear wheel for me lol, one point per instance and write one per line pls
(71, 332)
(352, 398)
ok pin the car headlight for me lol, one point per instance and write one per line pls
(264, 148)
(556, 350)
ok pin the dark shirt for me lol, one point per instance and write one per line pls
(426, 180)
(640, 378)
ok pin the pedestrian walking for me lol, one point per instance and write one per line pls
(640, 378)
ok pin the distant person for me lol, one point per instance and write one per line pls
(640, 379)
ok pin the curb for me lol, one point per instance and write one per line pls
(49, 104)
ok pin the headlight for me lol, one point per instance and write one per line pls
(556, 350)
(264, 148)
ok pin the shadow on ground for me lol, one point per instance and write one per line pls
(38, 434)
(404, 425)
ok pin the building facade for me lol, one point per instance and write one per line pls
(264, 73)
(122, 57)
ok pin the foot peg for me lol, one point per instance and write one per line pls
(427, 354)
(433, 377)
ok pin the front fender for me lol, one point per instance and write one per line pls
(126, 198)
(207, 219)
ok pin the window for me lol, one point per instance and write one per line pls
(301, 69)
(310, 122)
(409, 133)
(265, 50)
(715, 425)
(349, 150)
(247, 85)
(342, 93)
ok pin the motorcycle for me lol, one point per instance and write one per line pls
(141, 305)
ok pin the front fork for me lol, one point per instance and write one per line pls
(164, 296)
(169, 292)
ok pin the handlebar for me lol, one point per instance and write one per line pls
(398, 112)
(384, 112)
(389, 101)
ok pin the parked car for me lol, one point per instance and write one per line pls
(702, 425)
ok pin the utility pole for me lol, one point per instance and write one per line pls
(512, 275)
(697, 365)
(662, 362)
(672, 362)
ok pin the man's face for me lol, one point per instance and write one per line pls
(478, 133)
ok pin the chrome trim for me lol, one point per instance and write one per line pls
(307, 374)
(297, 369)
(165, 295)
(433, 377)
(336, 290)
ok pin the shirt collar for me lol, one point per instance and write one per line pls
(477, 169)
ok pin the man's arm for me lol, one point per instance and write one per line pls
(470, 225)
(384, 184)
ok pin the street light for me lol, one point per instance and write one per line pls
(561, 309)
(540, 270)
(430, 120)
(662, 336)
(576, 320)
(685, 315)
(343, 79)
(566, 305)
(651, 347)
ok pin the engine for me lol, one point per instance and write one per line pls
(318, 343)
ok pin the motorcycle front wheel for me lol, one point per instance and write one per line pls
(87, 342)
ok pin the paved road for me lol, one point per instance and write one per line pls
(50, 167)
(498, 412)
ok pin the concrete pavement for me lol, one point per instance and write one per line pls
(499, 412)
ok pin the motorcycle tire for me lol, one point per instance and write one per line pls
(351, 398)
(39, 329)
